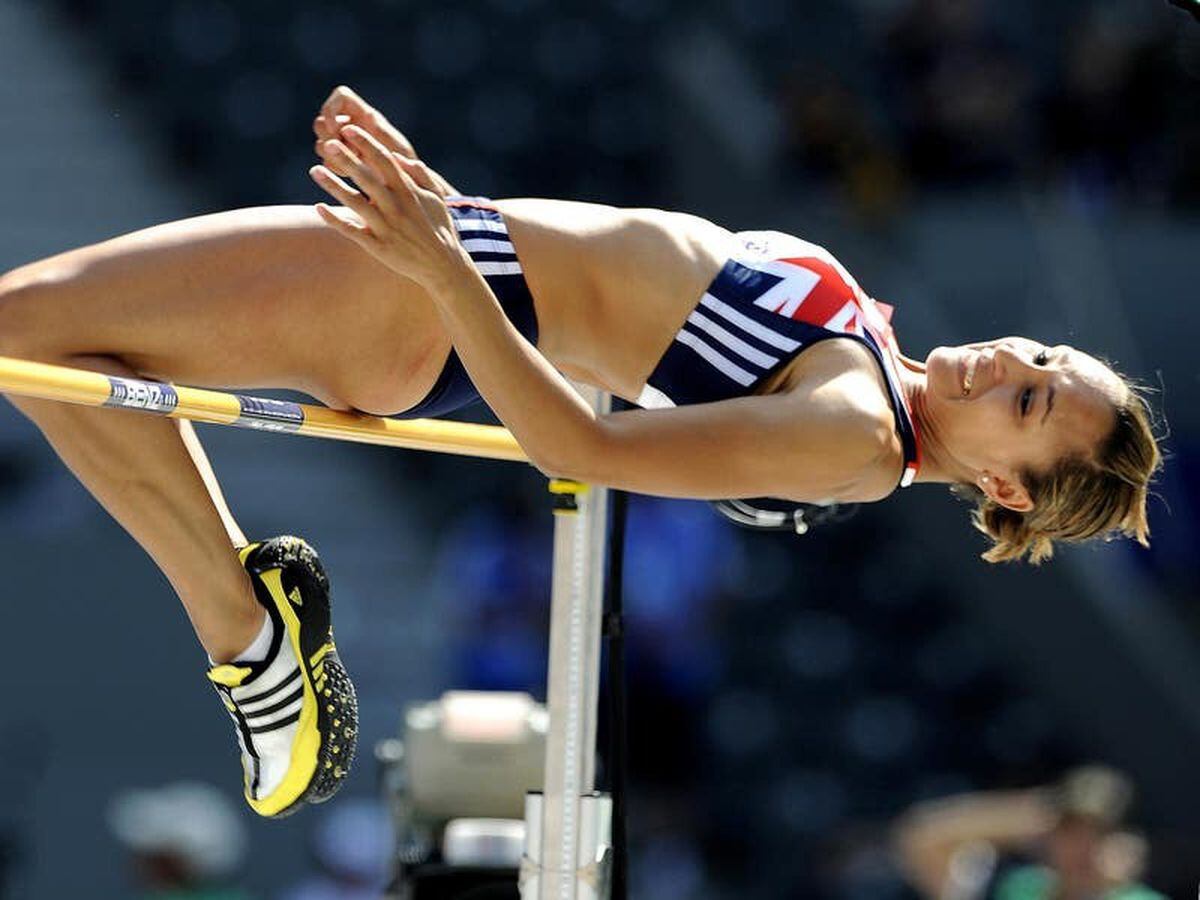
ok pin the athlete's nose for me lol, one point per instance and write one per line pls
(1010, 361)
(992, 357)
(1002, 360)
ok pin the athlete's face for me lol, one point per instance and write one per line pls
(1013, 404)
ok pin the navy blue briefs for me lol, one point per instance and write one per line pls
(484, 235)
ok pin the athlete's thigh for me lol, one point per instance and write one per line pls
(264, 297)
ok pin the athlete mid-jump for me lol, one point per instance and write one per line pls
(761, 366)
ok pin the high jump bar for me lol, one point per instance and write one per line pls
(68, 385)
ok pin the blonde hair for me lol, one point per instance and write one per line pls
(1080, 498)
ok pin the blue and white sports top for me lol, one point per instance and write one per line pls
(777, 296)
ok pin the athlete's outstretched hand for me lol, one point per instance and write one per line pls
(344, 107)
(395, 214)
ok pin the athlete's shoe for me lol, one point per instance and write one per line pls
(295, 711)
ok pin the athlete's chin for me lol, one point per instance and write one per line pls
(943, 373)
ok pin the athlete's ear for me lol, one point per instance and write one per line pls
(1005, 489)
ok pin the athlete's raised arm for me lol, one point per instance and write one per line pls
(812, 443)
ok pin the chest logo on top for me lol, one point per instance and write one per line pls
(812, 291)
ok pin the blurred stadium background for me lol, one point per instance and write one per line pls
(1027, 167)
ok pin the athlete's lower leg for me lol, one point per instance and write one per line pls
(153, 477)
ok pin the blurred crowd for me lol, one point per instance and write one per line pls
(1069, 841)
(1095, 100)
(189, 840)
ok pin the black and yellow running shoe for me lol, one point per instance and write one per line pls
(295, 711)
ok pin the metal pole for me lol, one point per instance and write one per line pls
(564, 866)
(618, 741)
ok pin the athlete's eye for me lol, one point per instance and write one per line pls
(1026, 399)
(1042, 358)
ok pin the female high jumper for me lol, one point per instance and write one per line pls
(409, 299)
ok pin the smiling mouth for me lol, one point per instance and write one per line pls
(969, 374)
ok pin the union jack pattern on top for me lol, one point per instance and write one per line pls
(777, 296)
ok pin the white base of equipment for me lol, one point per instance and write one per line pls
(593, 866)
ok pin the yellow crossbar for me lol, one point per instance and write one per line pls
(31, 379)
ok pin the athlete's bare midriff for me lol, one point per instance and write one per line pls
(612, 286)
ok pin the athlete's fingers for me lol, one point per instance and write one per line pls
(343, 101)
(429, 200)
(342, 107)
(408, 175)
(326, 127)
(349, 163)
(335, 161)
(333, 185)
(416, 175)
(322, 129)
(407, 208)
(383, 164)
(426, 177)
(408, 188)
(365, 175)
(374, 153)
(396, 139)
(445, 188)
(386, 157)
(356, 201)
(421, 174)
(345, 222)
(344, 158)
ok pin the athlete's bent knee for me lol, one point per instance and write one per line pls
(26, 329)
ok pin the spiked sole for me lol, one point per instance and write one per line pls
(337, 705)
